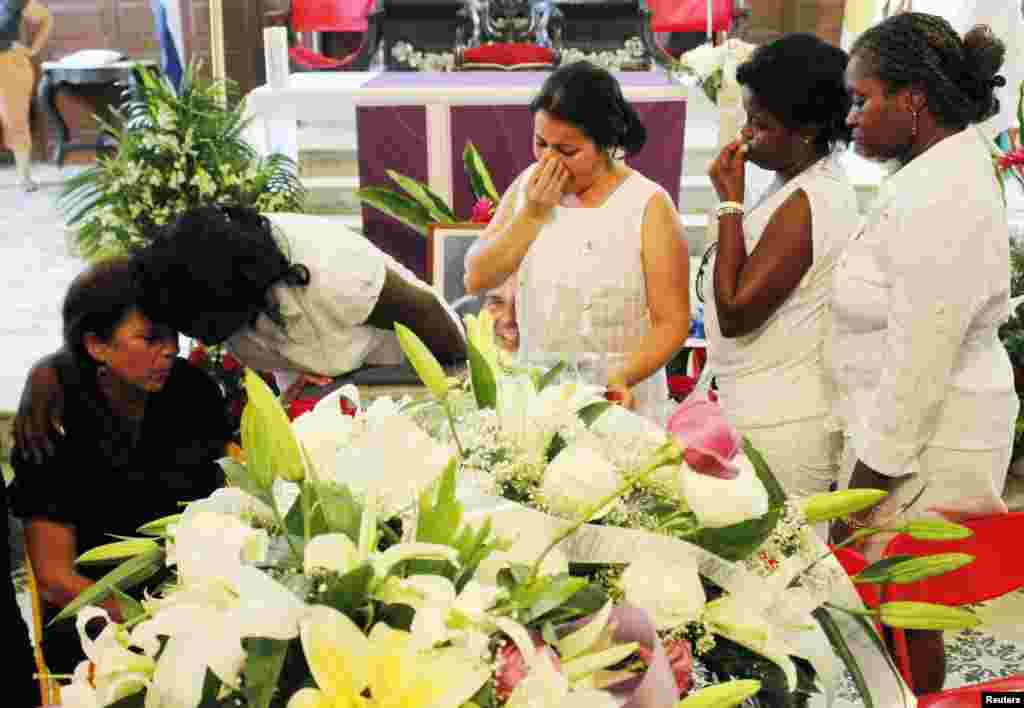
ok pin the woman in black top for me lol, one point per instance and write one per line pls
(143, 430)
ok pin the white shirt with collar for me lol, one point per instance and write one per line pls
(325, 322)
(917, 299)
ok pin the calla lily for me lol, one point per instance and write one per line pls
(345, 663)
(710, 442)
(670, 591)
(232, 501)
(746, 495)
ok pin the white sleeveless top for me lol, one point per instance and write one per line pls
(581, 286)
(776, 374)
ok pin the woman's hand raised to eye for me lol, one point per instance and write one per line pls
(546, 186)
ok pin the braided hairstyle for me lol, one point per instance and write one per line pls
(958, 77)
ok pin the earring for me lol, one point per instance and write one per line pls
(102, 369)
(913, 130)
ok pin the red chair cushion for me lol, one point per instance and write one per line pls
(309, 59)
(995, 540)
(970, 696)
(689, 15)
(509, 54)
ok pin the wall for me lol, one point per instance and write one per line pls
(772, 18)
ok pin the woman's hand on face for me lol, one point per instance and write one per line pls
(728, 172)
(546, 186)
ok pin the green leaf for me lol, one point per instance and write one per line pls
(130, 573)
(554, 594)
(549, 376)
(263, 663)
(485, 388)
(590, 413)
(239, 475)
(440, 512)
(835, 636)
(341, 512)
(474, 547)
(350, 591)
(776, 494)
(131, 608)
(480, 182)
(135, 700)
(398, 206)
(435, 206)
(211, 689)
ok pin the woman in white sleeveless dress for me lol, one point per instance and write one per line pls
(766, 281)
(598, 248)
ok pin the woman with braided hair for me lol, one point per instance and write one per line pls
(925, 389)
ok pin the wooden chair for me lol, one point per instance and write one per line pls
(49, 688)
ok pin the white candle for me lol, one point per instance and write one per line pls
(711, 25)
(275, 54)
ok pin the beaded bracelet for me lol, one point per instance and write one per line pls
(725, 208)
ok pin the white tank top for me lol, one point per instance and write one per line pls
(776, 373)
(581, 286)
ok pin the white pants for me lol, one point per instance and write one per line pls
(967, 482)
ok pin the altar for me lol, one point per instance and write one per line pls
(418, 124)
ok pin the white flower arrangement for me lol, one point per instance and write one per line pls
(709, 64)
(630, 55)
(175, 150)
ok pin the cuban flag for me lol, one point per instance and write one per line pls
(167, 15)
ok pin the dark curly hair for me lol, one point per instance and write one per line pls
(591, 99)
(799, 79)
(220, 259)
(959, 77)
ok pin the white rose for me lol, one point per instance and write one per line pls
(724, 502)
(578, 477)
(669, 590)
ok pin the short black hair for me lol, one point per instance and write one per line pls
(800, 79)
(214, 258)
(959, 77)
(591, 99)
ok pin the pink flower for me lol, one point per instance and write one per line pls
(483, 211)
(680, 658)
(710, 442)
(512, 668)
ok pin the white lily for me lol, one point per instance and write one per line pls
(396, 459)
(205, 624)
(523, 410)
(209, 545)
(325, 430)
(231, 501)
(111, 670)
(346, 664)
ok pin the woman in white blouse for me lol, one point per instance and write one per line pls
(926, 397)
(767, 303)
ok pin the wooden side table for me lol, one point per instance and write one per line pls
(56, 76)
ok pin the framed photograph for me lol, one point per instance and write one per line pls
(447, 246)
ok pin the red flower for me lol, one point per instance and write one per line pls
(680, 386)
(483, 211)
(512, 669)
(1014, 158)
(230, 363)
(300, 406)
(347, 407)
(680, 658)
(198, 355)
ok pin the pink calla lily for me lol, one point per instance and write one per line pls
(710, 442)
